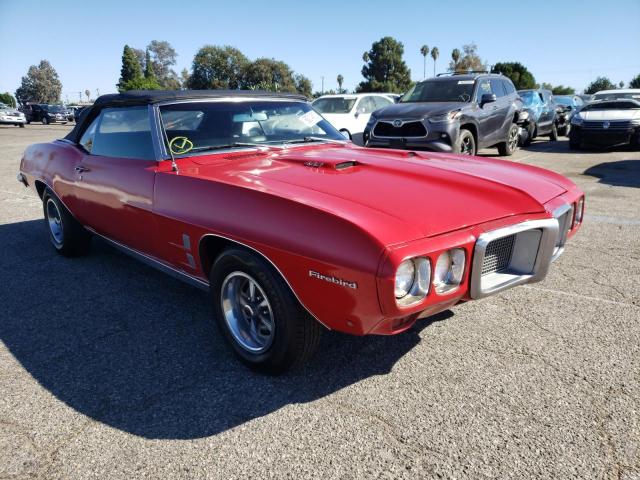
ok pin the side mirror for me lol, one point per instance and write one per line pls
(487, 98)
(357, 114)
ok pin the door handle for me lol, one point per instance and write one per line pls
(81, 169)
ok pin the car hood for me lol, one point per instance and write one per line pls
(410, 194)
(418, 109)
(6, 111)
(613, 114)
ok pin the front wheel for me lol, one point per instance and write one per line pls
(507, 148)
(21, 125)
(553, 136)
(45, 121)
(258, 314)
(466, 144)
(67, 236)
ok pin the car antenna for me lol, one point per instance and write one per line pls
(174, 165)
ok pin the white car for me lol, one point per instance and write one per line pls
(612, 118)
(350, 113)
(11, 116)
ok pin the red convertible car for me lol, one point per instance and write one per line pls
(258, 199)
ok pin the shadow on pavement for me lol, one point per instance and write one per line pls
(623, 173)
(138, 350)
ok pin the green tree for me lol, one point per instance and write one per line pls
(562, 90)
(40, 85)
(130, 69)
(435, 53)
(385, 70)
(469, 61)
(303, 85)
(149, 73)
(455, 58)
(163, 56)
(600, 83)
(340, 80)
(635, 82)
(184, 78)
(424, 51)
(518, 73)
(218, 67)
(7, 99)
(269, 74)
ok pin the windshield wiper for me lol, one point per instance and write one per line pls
(222, 147)
(313, 139)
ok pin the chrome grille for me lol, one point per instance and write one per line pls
(613, 124)
(498, 254)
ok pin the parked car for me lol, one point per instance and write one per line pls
(40, 112)
(259, 200)
(11, 116)
(542, 114)
(568, 105)
(611, 119)
(585, 97)
(350, 113)
(77, 112)
(457, 113)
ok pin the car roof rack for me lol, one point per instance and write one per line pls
(470, 72)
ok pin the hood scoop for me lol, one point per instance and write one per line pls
(331, 166)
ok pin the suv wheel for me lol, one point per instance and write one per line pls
(258, 314)
(511, 145)
(553, 136)
(466, 143)
(45, 120)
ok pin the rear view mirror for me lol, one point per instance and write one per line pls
(250, 117)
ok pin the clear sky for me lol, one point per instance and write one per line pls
(561, 42)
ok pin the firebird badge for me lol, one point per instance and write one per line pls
(397, 123)
(606, 124)
(331, 279)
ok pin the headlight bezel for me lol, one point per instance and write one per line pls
(448, 117)
(454, 261)
(419, 287)
(579, 212)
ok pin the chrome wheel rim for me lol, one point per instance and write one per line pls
(466, 146)
(247, 312)
(513, 139)
(54, 219)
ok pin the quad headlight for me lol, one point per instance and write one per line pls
(579, 212)
(449, 270)
(412, 280)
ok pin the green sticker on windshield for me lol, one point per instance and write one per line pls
(180, 145)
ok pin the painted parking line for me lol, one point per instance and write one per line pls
(582, 297)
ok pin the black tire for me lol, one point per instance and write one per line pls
(553, 135)
(45, 121)
(574, 140)
(466, 144)
(346, 133)
(507, 148)
(294, 334)
(531, 135)
(21, 125)
(71, 240)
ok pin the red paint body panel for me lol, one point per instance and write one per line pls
(355, 214)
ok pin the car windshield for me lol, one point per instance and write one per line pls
(449, 90)
(334, 105)
(56, 109)
(201, 126)
(564, 100)
(527, 97)
(616, 96)
(630, 104)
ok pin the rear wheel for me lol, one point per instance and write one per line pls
(511, 145)
(258, 314)
(553, 135)
(21, 125)
(466, 143)
(67, 236)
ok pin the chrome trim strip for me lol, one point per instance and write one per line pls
(557, 213)
(155, 263)
(403, 122)
(272, 264)
(546, 247)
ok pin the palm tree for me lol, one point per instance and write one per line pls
(340, 80)
(455, 56)
(424, 50)
(435, 53)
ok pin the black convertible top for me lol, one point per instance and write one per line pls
(147, 97)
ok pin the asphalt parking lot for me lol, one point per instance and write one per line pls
(109, 369)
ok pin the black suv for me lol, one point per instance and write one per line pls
(41, 112)
(458, 113)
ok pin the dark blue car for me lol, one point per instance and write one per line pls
(542, 114)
